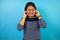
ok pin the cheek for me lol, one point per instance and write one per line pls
(34, 12)
(27, 12)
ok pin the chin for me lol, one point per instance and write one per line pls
(31, 16)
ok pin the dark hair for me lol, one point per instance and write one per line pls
(28, 4)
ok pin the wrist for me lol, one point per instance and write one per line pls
(24, 16)
(39, 17)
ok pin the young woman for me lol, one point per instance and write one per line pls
(31, 22)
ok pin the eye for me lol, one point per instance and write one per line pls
(32, 9)
(28, 9)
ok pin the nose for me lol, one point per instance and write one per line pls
(31, 11)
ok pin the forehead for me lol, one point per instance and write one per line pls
(30, 7)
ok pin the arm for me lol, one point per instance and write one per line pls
(20, 25)
(42, 23)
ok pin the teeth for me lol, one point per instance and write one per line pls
(30, 13)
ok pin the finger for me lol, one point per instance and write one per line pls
(25, 12)
(36, 11)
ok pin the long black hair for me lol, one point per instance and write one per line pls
(28, 4)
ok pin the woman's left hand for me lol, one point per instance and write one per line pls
(38, 15)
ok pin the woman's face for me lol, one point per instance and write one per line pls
(30, 11)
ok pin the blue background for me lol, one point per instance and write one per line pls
(11, 12)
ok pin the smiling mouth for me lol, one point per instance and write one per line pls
(31, 13)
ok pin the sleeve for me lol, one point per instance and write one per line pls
(42, 23)
(19, 26)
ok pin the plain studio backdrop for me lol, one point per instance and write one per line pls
(11, 12)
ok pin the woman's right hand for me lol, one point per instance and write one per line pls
(25, 14)
(23, 19)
